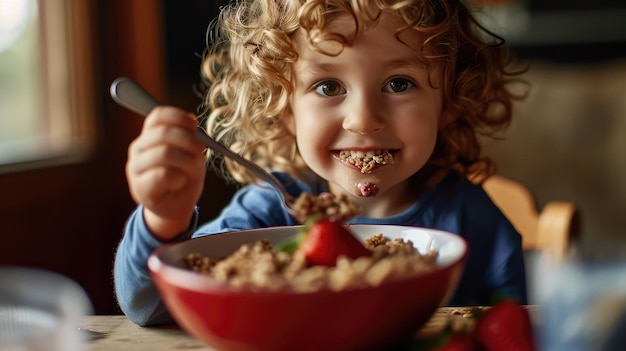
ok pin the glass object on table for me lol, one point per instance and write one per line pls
(40, 310)
(583, 299)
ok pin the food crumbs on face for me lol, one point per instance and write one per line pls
(368, 189)
(260, 267)
(366, 160)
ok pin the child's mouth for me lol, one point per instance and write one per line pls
(366, 161)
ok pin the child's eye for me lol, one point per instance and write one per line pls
(398, 85)
(329, 88)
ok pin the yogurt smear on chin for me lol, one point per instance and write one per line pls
(368, 189)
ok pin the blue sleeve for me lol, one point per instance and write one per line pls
(507, 271)
(135, 291)
(501, 259)
(251, 207)
(495, 264)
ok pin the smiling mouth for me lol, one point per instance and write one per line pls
(366, 161)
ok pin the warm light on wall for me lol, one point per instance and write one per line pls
(14, 17)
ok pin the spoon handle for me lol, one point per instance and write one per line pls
(127, 93)
(134, 97)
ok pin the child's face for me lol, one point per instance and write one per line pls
(375, 95)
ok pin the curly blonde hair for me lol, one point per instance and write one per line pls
(249, 61)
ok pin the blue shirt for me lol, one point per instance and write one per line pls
(494, 266)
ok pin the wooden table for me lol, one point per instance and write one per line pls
(107, 333)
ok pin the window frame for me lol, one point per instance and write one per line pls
(67, 93)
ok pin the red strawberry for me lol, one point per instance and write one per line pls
(325, 240)
(457, 342)
(505, 326)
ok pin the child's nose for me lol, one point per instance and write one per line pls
(363, 117)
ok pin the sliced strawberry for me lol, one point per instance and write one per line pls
(505, 326)
(325, 240)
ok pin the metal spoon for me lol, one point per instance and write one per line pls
(127, 93)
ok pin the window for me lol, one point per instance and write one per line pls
(46, 89)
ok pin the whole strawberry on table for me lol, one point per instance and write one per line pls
(505, 326)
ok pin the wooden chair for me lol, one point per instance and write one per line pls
(548, 231)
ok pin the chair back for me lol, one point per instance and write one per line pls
(549, 230)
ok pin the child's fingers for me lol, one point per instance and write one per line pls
(165, 156)
(168, 179)
(154, 176)
(169, 126)
(171, 136)
(166, 162)
(169, 115)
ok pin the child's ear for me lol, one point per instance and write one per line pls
(289, 121)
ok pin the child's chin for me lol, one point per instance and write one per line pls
(367, 189)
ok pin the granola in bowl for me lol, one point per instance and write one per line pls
(259, 266)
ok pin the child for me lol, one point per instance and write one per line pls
(306, 88)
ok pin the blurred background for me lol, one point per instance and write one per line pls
(63, 141)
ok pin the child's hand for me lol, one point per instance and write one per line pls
(166, 169)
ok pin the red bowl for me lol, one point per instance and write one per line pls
(359, 319)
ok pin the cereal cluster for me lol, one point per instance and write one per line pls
(337, 208)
